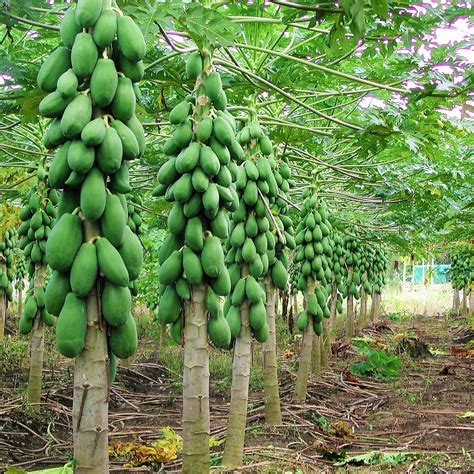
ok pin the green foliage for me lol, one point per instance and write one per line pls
(373, 458)
(378, 364)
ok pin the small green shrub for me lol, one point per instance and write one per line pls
(13, 355)
(379, 364)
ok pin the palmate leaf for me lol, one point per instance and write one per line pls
(205, 25)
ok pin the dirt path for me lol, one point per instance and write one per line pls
(413, 423)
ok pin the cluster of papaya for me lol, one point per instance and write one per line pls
(373, 268)
(38, 216)
(315, 259)
(252, 240)
(6, 263)
(198, 179)
(339, 267)
(21, 272)
(35, 305)
(92, 84)
(461, 272)
(133, 206)
(280, 209)
(354, 259)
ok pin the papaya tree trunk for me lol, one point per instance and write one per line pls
(363, 309)
(91, 387)
(375, 308)
(304, 365)
(464, 309)
(316, 357)
(235, 438)
(350, 317)
(196, 422)
(456, 300)
(270, 366)
(471, 301)
(333, 318)
(413, 276)
(3, 313)
(20, 301)
(35, 378)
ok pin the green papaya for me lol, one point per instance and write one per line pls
(193, 235)
(204, 129)
(85, 270)
(104, 82)
(105, 28)
(188, 158)
(116, 304)
(176, 219)
(131, 149)
(71, 326)
(114, 220)
(194, 65)
(124, 102)
(212, 303)
(110, 263)
(54, 104)
(93, 195)
(169, 245)
(80, 157)
(210, 201)
(84, 55)
(137, 129)
(25, 325)
(169, 307)
(213, 85)
(67, 83)
(183, 290)
(172, 268)
(70, 200)
(53, 136)
(109, 153)
(257, 315)
(238, 295)
(88, 12)
(223, 131)
(76, 116)
(69, 28)
(183, 135)
(31, 308)
(130, 39)
(176, 331)
(120, 181)
(212, 257)
(208, 161)
(220, 225)
(180, 112)
(261, 335)
(94, 132)
(183, 188)
(233, 320)
(131, 251)
(56, 291)
(249, 251)
(219, 331)
(64, 242)
(302, 321)
(55, 65)
(200, 180)
(192, 267)
(253, 290)
(123, 340)
(222, 285)
(112, 367)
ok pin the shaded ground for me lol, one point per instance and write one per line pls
(417, 416)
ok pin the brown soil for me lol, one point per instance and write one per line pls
(417, 414)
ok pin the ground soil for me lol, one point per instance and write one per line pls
(418, 415)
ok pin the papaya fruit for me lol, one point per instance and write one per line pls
(212, 257)
(131, 251)
(219, 331)
(223, 131)
(233, 320)
(123, 340)
(25, 325)
(261, 335)
(176, 219)
(109, 153)
(88, 12)
(249, 251)
(172, 268)
(194, 65)
(210, 201)
(183, 135)
(69, 28)
(84, 270)
(193, 234)
(221, 151)
(204, 129)
(105, 28)
(222, 284)
(70, 200)
(124, 102)
(104, 82)
(188, 158)
(208, 161)
(253, 290)
(53, 136)
(200, 180)
(93, 195)
(67, 83)
(192, 267)
(55, 65)
(64, 243)
(130, 39)
(54, 104)
(120, 181)
(131, 149)
(169, 245)
(116, 304)
(220, 225)
(84, 55)
(71, 326)
(213, 85)
(169, 307)
(183, 188)
(76, 116)
(302, 321)
(180, 112)
(94, 132)
(56, 291)
(167, 173)
(113, 220)
(212, 303)
(257, 315)
(176, 331)
(31, 307)
(110, 263)
(80, 157)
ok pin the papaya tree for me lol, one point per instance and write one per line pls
(198, 178)
(313, 238)
(37, 215)
(461, 275)
(91, 84)
(20, 276)
(6, 274)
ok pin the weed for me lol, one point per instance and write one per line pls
(379, 364)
